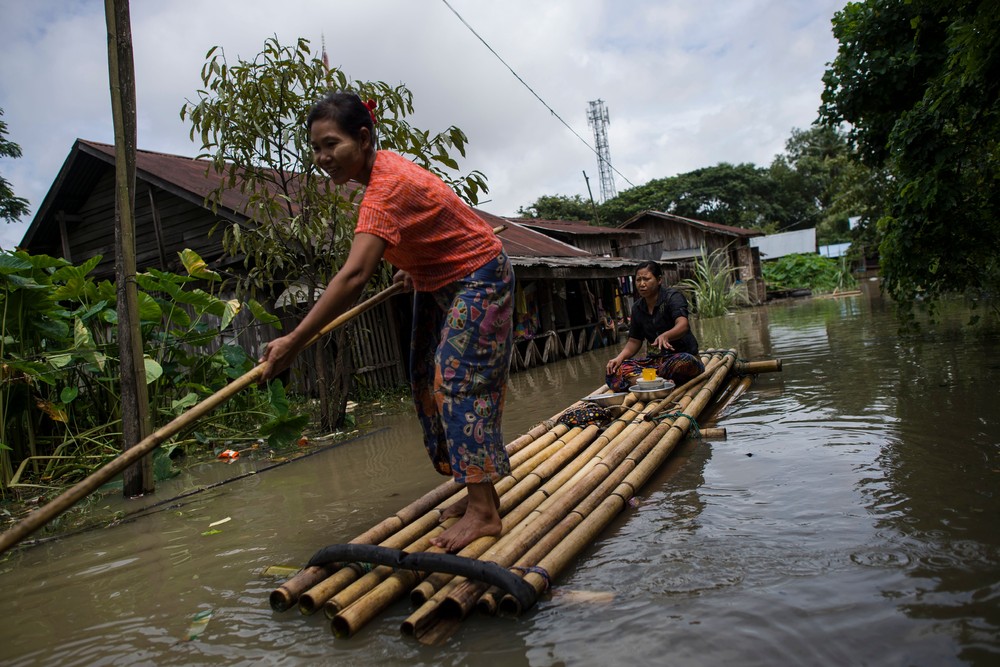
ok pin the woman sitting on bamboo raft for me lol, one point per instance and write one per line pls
(660, 318)
(461, 339)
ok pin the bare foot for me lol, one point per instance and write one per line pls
(457, 508)
(480, 519)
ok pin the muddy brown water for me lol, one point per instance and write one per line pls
(851, 517)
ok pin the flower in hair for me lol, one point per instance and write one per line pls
(370, 105)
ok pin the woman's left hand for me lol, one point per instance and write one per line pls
(663, 343)
(403, 277)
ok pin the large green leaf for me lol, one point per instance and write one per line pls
(149, 309)
(12, 264)
(196, 266)
(153, 370)
(278, 399)
(43, 261)
(52, 330)
(261, 314)
(232, 309)
(283, 431)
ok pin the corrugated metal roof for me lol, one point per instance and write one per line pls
(519, 241)
(702, 224)
(574, 227)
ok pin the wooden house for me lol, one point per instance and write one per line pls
(677, 241)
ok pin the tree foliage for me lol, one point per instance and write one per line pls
(918, 81)
(814, 183)
(12, 207)
(558, 207)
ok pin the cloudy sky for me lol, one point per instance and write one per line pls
(687, 83)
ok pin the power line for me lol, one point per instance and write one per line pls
(537, 96)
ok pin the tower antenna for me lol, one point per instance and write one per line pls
(597, 118)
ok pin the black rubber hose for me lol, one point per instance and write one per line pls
(421, 561)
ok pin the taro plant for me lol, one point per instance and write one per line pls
(713, 290)
(59, 389)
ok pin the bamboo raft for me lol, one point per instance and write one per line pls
(566, 485)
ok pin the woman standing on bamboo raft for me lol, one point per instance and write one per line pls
(660, 318)
(462, 312)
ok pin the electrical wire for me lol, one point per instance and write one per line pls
(532, 91)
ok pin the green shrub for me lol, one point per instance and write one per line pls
(60, 405)
(808, 271)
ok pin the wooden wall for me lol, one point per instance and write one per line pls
(91, 231)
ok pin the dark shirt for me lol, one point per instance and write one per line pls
(670, 305)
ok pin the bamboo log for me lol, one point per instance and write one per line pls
(355, 617)
(613, 466)
(290, 592)
(739, 386)
(313, 599)
(350, 594)
(754, 367)
(324, 595)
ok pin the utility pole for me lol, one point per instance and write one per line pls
(598, 118)
(138, 479)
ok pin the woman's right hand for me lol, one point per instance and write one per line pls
(278, 355)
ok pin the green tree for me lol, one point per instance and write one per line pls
(819, 183)
(250, 117)
(736, 195)
(918, 82)
(11, 206)
(558, 207)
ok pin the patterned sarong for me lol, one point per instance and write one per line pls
(459, 364)
(679, 367)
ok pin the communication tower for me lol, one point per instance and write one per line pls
(597, 118)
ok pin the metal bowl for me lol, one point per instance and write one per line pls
(606, 400)
(647, 385)
(652, 394)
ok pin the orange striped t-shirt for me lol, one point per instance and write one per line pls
(429, 231)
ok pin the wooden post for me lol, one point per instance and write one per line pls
(138, 478)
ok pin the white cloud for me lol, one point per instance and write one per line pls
(688, 85)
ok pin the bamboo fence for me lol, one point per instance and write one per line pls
(566, 484)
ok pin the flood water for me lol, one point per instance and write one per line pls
(851, 517)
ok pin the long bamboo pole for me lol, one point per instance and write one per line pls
(92, 482)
